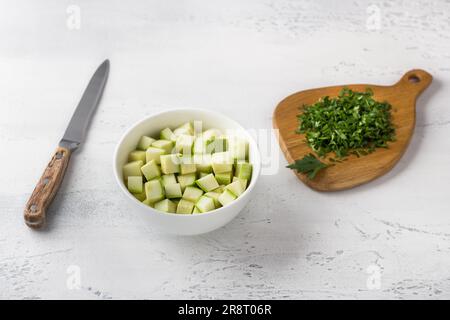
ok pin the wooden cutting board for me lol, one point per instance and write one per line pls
(354, 171)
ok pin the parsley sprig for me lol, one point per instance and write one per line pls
(309, 165)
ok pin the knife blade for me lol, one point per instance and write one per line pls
(76, 130)
(50, 181)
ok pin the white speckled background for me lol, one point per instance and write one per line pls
(240, 59)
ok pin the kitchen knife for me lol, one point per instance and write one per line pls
(50, 181)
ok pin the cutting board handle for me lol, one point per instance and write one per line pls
(46, 188)
(414, 81)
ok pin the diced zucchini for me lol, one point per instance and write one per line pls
(220, 189)
(219, 144)
(135, 184)
(205, 204)
(184, 144)
(198, 127)
(243, 170)
(173, 190)
(145, 142)
(224, 178)
(215, 196)
(188, 168)
(151, 170)
(148, 203)
(202, 174)
(238, 148)
(203, 162)
(226, 197)
(167, 134)
(170, 163)
(185, 207)
(187, 165)
(153, 153)
(222, 162)
(197, 169)
(211, 134)
(154, 191)
(235, 188)
(168, 179)
(186, 180)
(186, 128)
(166, 145)
(132, 169)
(192, 194)
(166, 206)
(136, 155)
(242, 181)
(140, 196)
(199, 145)
(207, 183)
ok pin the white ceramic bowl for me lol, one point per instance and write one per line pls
(183, 224)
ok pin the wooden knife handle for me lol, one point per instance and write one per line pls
(46, 188)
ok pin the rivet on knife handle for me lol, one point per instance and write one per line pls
(45, 190)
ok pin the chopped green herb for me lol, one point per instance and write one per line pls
(309, 165)
(352, 123)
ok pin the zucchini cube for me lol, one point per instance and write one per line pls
(185, 207)
(173, 191)
(242, 181)
(202, 174)
(153, 153)
(238, 148)
(224, 178)
(140, 196)
(222, 162)
(187, 165)
(235, 188)
(243, 170)
(186, 180)
(166, 145)
(184, 144)
(226, 197)
(219, 144)
(136, 155)
(205, 204)
(135, 184)
(132, 169)
(207, 183)
(148, 203)
(220, 189)
(151, 170)
(192, 194)
(186, 128)
(167, 134)
(166, 206)
(196, 210)
(170, 163)
(215, 196)
(154, 191)
(210, 134)
(145, 142)
(168, 179)
(203, 162)
(199, 146)
(198, 127)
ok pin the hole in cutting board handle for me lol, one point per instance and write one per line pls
(413, 78)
